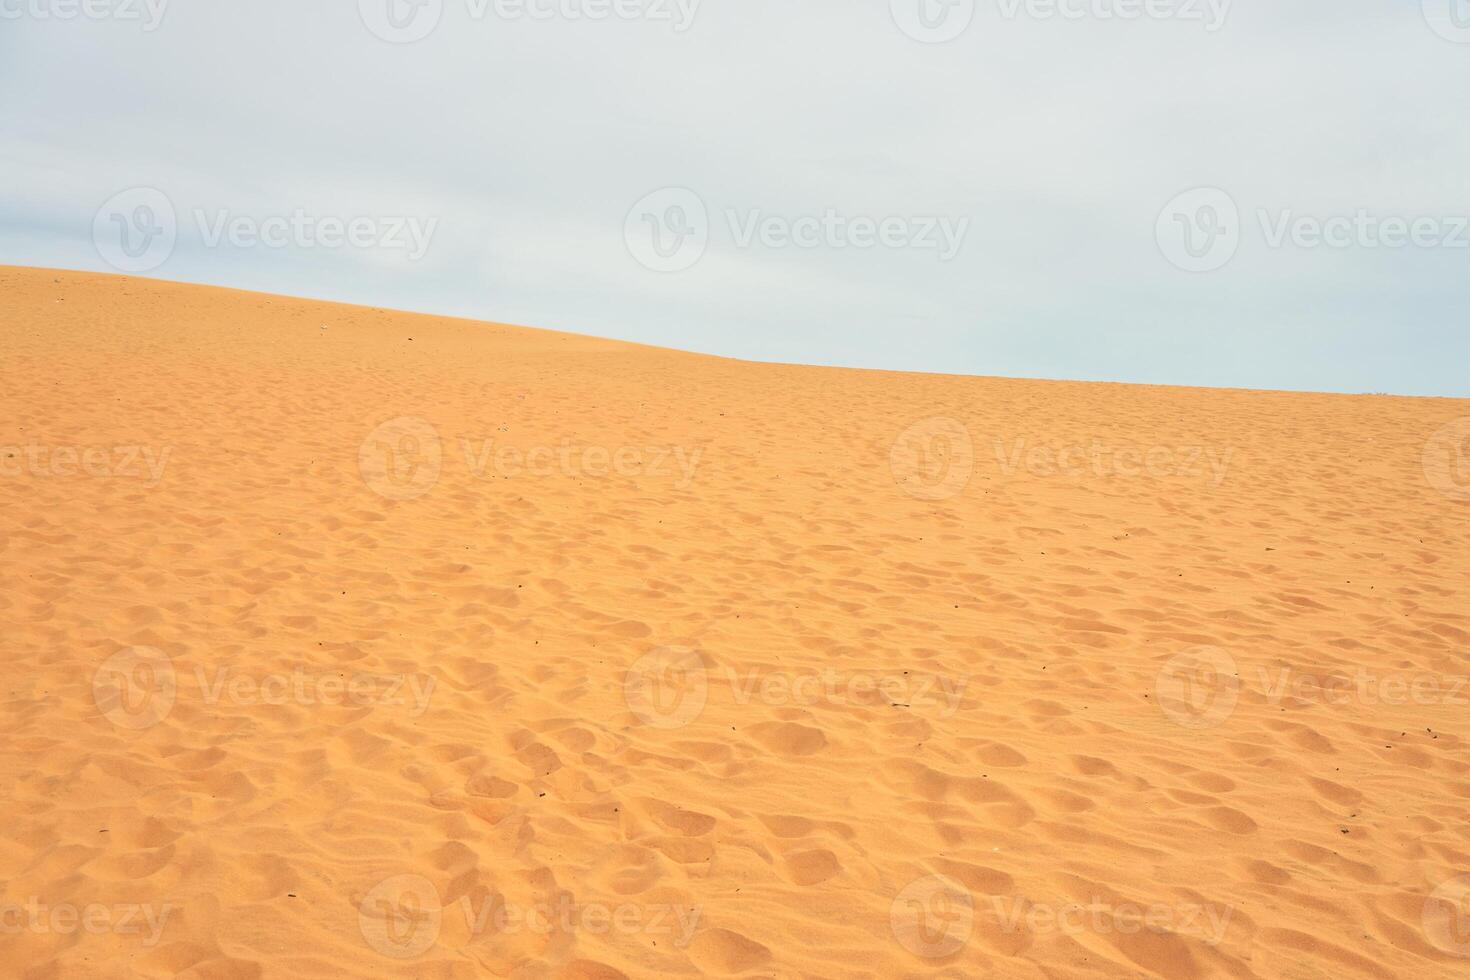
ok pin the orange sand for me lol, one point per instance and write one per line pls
(345, 642)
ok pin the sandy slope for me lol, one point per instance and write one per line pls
(751, 670)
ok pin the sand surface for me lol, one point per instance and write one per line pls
(344, 642)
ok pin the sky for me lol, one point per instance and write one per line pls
(1198, 192)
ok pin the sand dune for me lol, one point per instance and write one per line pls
(345, 642)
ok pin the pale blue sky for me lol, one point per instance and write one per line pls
(528, 141)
